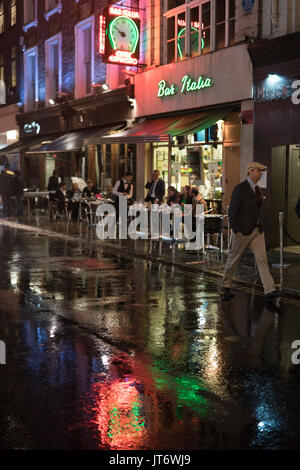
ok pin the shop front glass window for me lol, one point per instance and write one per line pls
(195, 160)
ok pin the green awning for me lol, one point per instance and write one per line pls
(193, 123)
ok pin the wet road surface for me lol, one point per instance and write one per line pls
(104, 352)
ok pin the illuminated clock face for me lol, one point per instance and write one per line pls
(123, 34)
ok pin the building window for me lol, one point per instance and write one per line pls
(13, 12)
(14, 66)
(51, 7)
(31, 79)
(189, 30)
(1, 17)
(53, 65)
(50, 4)
(30, 11)
(1, 67)
(84, 57)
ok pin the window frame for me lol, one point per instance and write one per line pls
(187, 7)
(13, 68)
(49, 11)
(80, 79)
(33, 51)
(50, 42)
(2, 16)
(29, 22)
(13, 12)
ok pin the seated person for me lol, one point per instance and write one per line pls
(60, 198)
(172, 196)
(74, 197)
(109, 192)
(198, 198)
(90, 190)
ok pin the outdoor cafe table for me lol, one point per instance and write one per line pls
(35, 194)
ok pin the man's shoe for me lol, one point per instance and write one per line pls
(226, 294)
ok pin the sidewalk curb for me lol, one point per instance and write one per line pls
(96, 244)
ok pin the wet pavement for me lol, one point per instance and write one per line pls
(106, 351)
(169, 253)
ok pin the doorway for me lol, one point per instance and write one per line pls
(285, 191)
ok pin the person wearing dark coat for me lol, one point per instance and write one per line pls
(156, 187)
(53, 184)
(60, 198)
(246, 220)
(7, 189)
(90, 190)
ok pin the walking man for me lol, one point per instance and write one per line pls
(246, 220)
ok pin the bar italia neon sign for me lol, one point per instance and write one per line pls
(119, 36)
(188, 85)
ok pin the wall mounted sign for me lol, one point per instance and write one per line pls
(119, 36)
(270, 90)
(32, 128)
(248, 5)
(188, 85)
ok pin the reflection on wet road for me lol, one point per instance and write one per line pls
(105, 352)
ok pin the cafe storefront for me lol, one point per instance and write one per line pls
(189, 123)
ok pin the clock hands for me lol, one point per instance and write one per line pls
(121, 32)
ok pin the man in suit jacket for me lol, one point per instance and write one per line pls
(246, 220)
(156, 188)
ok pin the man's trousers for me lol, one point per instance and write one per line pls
(256, 242)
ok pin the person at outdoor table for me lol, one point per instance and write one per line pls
(74, 197)
(60, 198)
(90, 190)
(156, 187)
(173, 195)
(187, 197)
(198, 198)
(53, 184)
(109, 192)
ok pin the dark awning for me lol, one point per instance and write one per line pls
(24, 144)
(160, 129)
(72, 141)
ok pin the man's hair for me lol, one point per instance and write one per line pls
(128, 173)
(62, 184)
(171, 188)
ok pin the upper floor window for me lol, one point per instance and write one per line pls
(1, 66)
(31, 78)
(1, 17)
(13, 12)
(30, 11)
(53, 67)
(198, 27)
(13, 78)
(50, 4)
(84, 57)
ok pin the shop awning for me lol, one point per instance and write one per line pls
(72, 141)
(25, 144)
(160, 129)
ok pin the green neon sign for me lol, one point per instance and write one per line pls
(194, 40)
(187, 86)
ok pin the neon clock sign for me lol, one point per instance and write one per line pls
(119, 36)
(194, 31)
